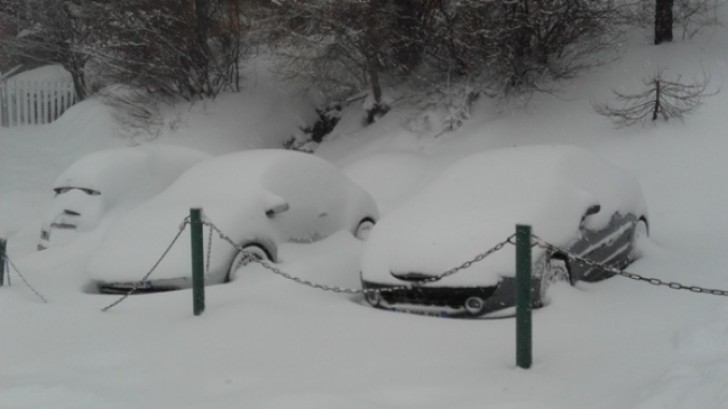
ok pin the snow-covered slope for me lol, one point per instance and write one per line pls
(266, 342)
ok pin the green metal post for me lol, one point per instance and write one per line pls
(198, 266)
(3, 249)
(523, 297)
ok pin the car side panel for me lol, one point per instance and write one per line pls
(610, 246)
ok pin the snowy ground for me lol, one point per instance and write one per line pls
(265, 342)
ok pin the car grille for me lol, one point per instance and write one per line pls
(453, 297)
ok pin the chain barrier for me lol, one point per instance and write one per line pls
(248, 258)
(139, 283)
(614, 271)
(23, 279)
(480, 257)
(209, 250)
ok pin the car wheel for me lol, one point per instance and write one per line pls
(557, 269)
(641, 231)
(257, 251)
(373, 298)
(474, 305)
(364, 228)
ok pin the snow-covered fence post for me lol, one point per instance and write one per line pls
(523, 297)
(198, 266)
(3, 249)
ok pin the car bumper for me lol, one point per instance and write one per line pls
(146, 286)
(153, 286)
(441, 301)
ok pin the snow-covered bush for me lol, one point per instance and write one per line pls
(444, 110)
(307, 137)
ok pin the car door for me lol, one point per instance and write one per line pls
(315, 196)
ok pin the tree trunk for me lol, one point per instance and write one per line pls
(373, 45)
(202, 53)
(658, 101)
(76, 69)
(519, 39)
(374, 82)
(663, 21)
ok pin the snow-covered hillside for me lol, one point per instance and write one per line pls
(266, 342)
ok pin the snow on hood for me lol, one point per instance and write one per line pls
(477, 203)
(125, 174)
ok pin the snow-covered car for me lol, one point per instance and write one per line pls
(571, 198)
(107, 183)
(258, 199)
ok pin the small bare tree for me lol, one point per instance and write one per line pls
(660, 98)
(53, 32)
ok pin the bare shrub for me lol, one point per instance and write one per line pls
(136, 112)
(661, 98)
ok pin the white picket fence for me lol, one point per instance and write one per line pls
(33, 102)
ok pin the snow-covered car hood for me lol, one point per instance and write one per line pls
(125, 174)
(107, 183)
(477, 203)
(234, 191)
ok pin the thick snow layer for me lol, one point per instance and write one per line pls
(105, 184)
(477, 203)
(267, 342)
(235, 191)
(45, 73)
(129, 174)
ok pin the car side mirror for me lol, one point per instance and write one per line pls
(277, 209)
(591, 210)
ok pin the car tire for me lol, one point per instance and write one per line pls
(258, 251)
(364, 228)
(373, 298)
(474, 306)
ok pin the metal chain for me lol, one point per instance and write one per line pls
(209, 251)
(131, 291)
(307, 283)
(249, 258)
(22, 277)
(480, 257)
(650, 280)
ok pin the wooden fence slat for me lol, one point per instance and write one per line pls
(19, 103)
(43, 90)
(26, 102)
(37, 103)
(45, 101)
(3, 105)
(32, 99)
(53, 98)
(23, 101)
